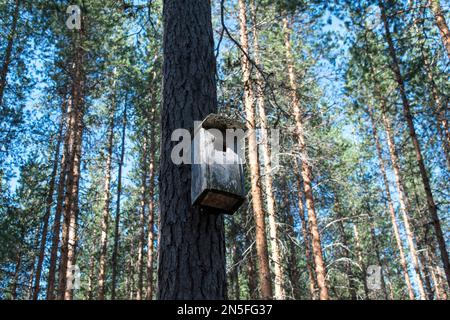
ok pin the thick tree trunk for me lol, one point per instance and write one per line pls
(392, 215)
(8, 51)
(117, 218)
(257, 199)
(412, 133)
(441, 24)
(271, 208)
(306, 235)
(106, 205)
(306, 171)
(49, 204)
(191, 239)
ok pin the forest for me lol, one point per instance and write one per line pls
(345, 188)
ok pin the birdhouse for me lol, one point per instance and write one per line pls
(217, 179)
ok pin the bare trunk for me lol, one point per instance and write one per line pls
(257, 201)
(64, 167)
(15, 280)
(412, 133)
(392, 215)
(106, 206)
(441, 24)
(143, 204)
(8, 51)
(119, 194)
(306, 171)
(151, 209)
(49, 204)
(306, 236)
(361, 260)
(271, 208)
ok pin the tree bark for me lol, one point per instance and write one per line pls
(257, 201)
(8, 51)
(306, 236)
(119, 194)
(392, 215)
(107, 202)
(143, 204)
(191, 239)
(271, 207)
(64, 168)
(49, 204)
(418, 153)
(306, 170)
(441, 24)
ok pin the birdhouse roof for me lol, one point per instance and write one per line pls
(221, 122)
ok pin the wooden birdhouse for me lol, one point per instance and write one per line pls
(217, 179)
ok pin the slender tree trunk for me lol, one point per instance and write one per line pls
(392, 215)
(151, 209)
(90, 291)
(361, 260)
(106, 205)
(257, 201)
(345, 250)
(64, 167)
(15, 280)
(405, 206)
(119, 194)
(8, 51)
(251, 272)
(143, 204)
(49, 204)
(191, 239)
(306, 236)
(441, 24)
(306, 171)
(412, 133)
(271, 207)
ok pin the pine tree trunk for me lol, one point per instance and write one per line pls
(257, 201)
(191, 239)
(64, 167)
(441, 24)
(271, 208)
(106, 206)
(345, 249)
(49, 204)
(361, 260)
(412, 133)
(151, 209)
(8, 51)
(306, 236)
(15, 279)
(251, 270)
(403, 199)
(143, 204)
(392, 215)
(306, 171)
(117, 218)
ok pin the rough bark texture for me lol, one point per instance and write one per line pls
(441, 24)
(257, 201)
(271, 207)
(8, 51)
(306, 170)
(49, 204)
(191, 239)
(432, 209)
